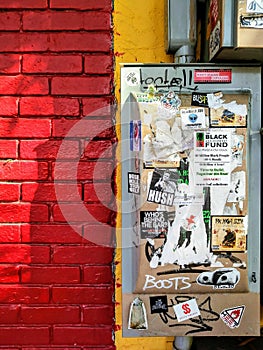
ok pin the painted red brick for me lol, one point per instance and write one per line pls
(8, 149)
(102, 235)
(99, 106)
(23, 212)
(98, 315)
(25, 295)
(97, 274)
(81, 4)
(98, 192)
(98, 64)
(9, 63)
(50, 314)
(82, 128)
(9, 21)
(9, 274)
(28, 128)
(24, 335)
(52, 233)
(80, 86)
(9, 192)
(50, 275)
(66, 20)
(22, 253)
(9, 314)
(25, 4)
(80, 335)
(82, 255)
(48, 149)
(9, 233)
(23, 42)
(24, 85)
(83, 170)
(23, 170)
(8, 106)
(98, 149)
(49, 106)
(51, 64)
(46, 192)
(82, 295)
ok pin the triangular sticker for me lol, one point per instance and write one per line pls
(232, 317)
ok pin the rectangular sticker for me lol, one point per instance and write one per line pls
(134, 183)
(154, 224)
(193, 118)
(185, 311)
(213, 76)
(199, 99)
(135, 135)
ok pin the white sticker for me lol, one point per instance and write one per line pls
(232, 317)
(193, 118)
(255, 6)
(133, 79)
(185, 311)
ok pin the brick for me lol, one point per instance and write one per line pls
(98, 315)
(99, 149)
(8, 149)
(9, 192)
(48, 275)
(23, 170)
(66, 20)
(51, 233)
(49, 106)
(25, 4)
(24, 42)
(83, 170)
(9, 233)
(24, 335)
(49, 149)
(10, 21)
(82, 295)
(51, 63)
(9, 63)
(82, 335)
(9, 314)
(9, 274)
(97, 274)
(8, 106)
(22, 253)
(81, 213)
(102, 235)
(80, 86)
(23, 212)
(26, 128)
(24, 85)
(98, 64)
(50, 314)
(24, 295)
(86, 41)
(81, 4)
(82, 255)
(99, 106)
(48, 192)
(81, 128)
(98, 192)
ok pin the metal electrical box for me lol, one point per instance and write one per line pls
(191, 175)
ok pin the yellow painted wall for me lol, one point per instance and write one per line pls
(138, 38)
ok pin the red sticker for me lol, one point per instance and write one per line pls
(213, 76)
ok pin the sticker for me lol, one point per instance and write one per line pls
(193, 118)
(232, 317)
(158, 304)
(213, 13)
(163, 186)
(154, 224)
(212, 158)
(133, 79)
(214, 40)
(228, 115)
(255, 6)
(225, 278)
(134, 183)
(229, 233)
(170, 101)
(251, 21)
(212, 76)
(135, 135)
(137, 315)
(187, 310)
(199, 99)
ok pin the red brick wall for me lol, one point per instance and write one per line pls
(56, 282)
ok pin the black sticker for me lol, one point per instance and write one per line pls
(134, 183)
(158, 304)
(199, 99)
(154, 224)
